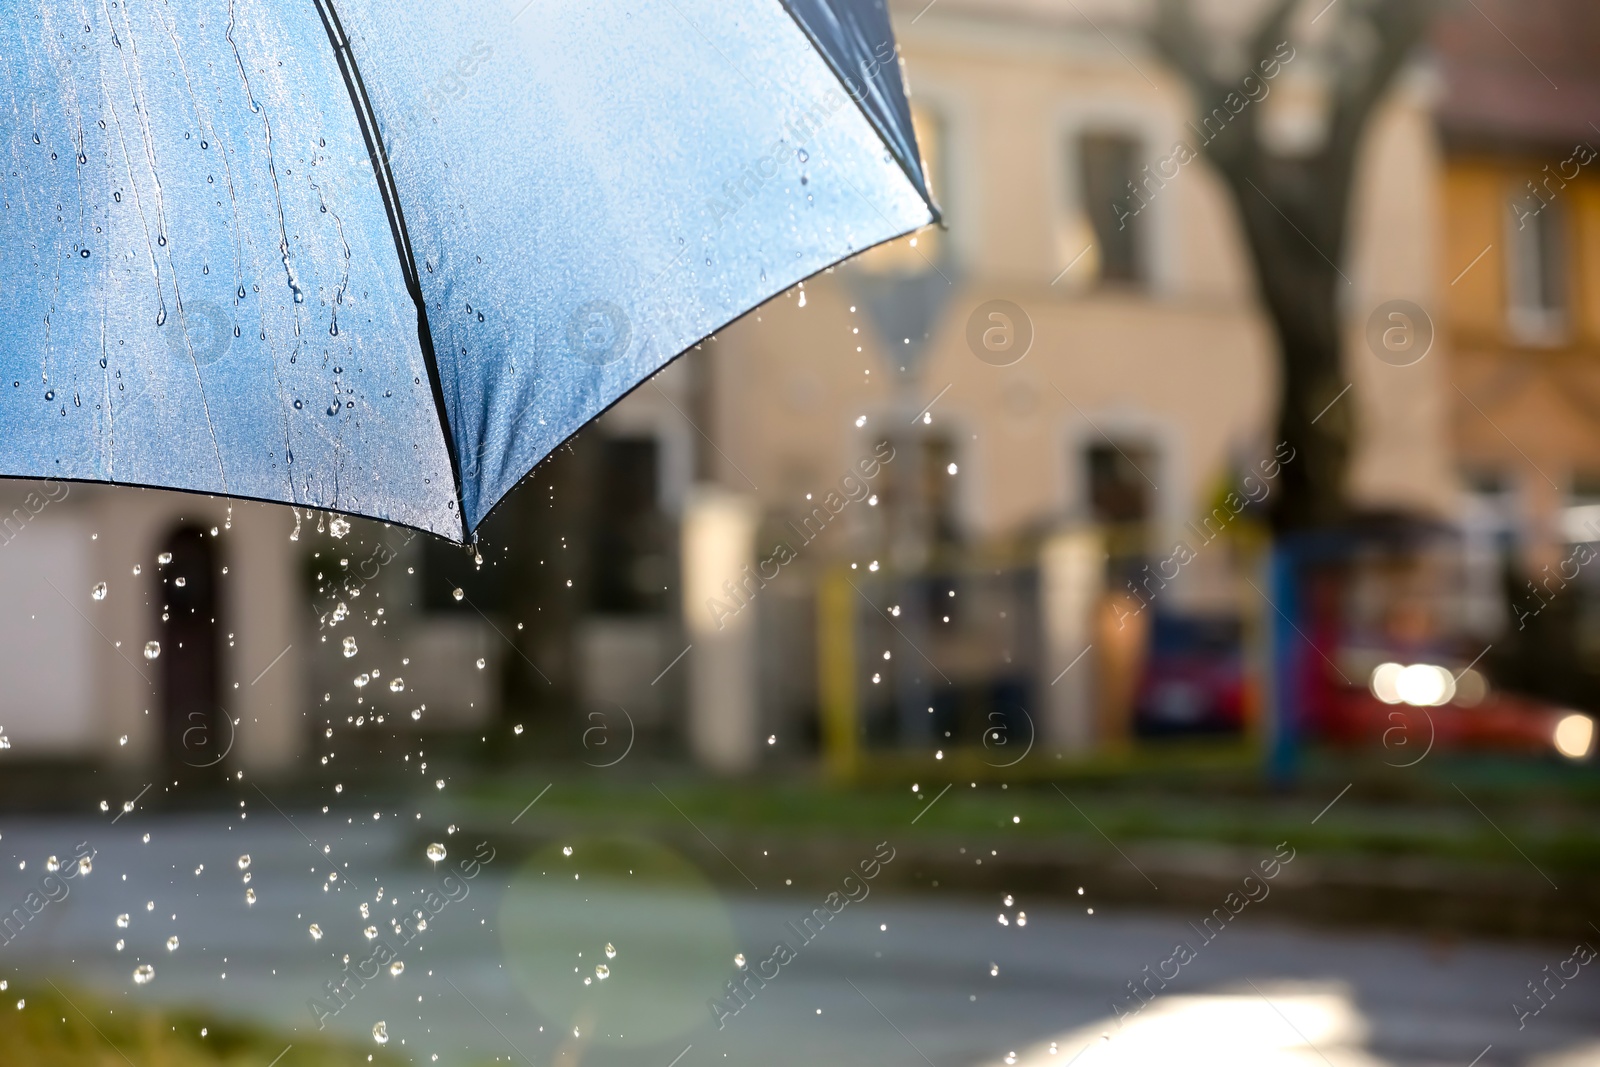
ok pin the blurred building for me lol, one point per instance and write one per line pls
(1044, 449)
(1520, 269)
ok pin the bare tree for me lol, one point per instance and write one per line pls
(1295, 214)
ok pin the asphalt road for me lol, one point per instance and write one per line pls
(498, 974)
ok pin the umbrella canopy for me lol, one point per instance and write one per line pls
(383, 257)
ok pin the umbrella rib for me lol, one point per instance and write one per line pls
(390, 194)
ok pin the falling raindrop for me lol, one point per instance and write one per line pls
(994, 970)
(566, 850)
(85, 864)
(180, 581)
(249, 896)
(99, 591)
(350, 647)
(380, 1032)
(172, 943)
(164, 559)
(244, 862)
(517, 729)
(142, 975)
(339, 527)
(611, 951)
(439, 784)
(152, 649)
(602, 972)
(482, 663)
(316, 932)
(122, 921)
(738, 960)
(397, 685)
(396, 967)
(370, 932)
(457, 593)
(436, 852)
(52, 865)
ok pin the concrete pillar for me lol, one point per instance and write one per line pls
(721, 595)
(264, 685)
(1071, 584)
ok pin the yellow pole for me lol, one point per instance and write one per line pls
(836, 675)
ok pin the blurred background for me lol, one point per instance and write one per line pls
(1221, 482)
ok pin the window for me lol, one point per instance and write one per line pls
(628, 543)
(1110, 167)
(1537, 258)
(1119, 495)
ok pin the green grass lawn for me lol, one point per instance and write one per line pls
(77, 1030)
(1200, 794)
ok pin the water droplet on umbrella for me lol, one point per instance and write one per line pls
(142, 975)
(436, 852)
(297, 405)
(50, 394)
(84, 253)
(803, 155)
(152, 649)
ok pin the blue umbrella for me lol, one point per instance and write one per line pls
(382, 258)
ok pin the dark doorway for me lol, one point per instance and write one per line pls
(190, 668)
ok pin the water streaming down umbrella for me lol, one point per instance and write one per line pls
(209, 284)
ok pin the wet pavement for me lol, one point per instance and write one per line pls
(499, 972)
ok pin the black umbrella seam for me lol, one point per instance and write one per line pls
(387, 190)
(918, 181)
